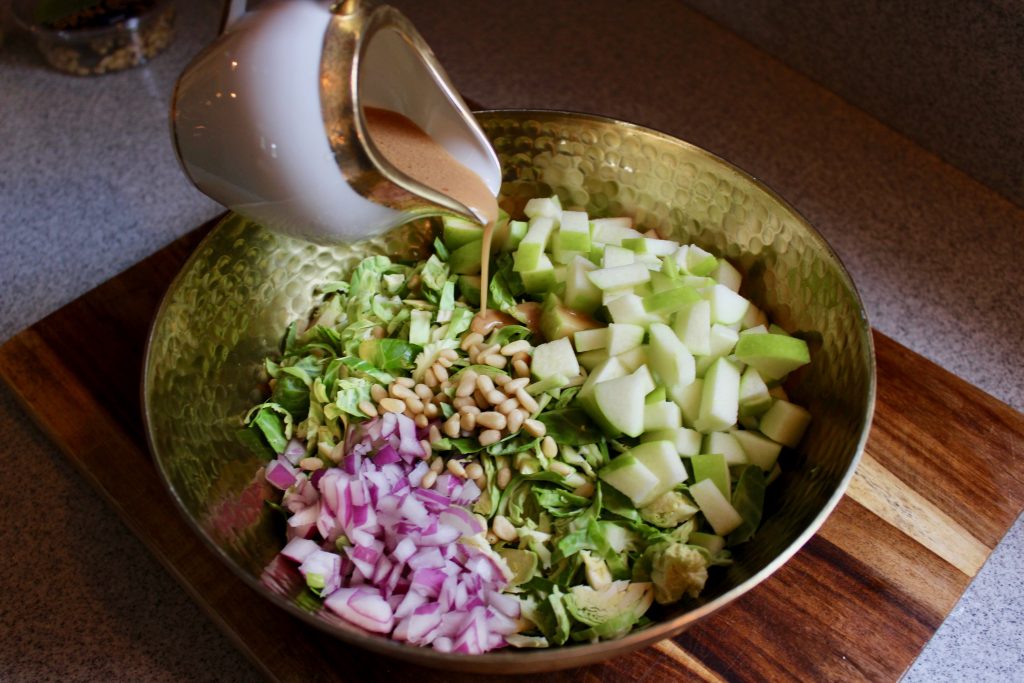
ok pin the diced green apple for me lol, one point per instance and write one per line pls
(671, 300)
(713, 543)
(717, 509)
(588, 340)
(558, 320)
(516, 233)
(643, 373)
(661, 459)
(726, 444)
(466, 259)
(531, 249)
(623, 337)
(669, 358)
(757, 329)
(457, 232)
(688, 399)
(629, 308)
(539, 280)
(574, 232)
(662, 415)
(591, 359)
(686, 441)
(562, 256)
(760, 450)
(618, 277)
(785, 422)
(727, 275)
(618, 405)
(626, 474)
(774, 355)
(659, 394)
(612, 230)
(693, 327)
(608, 369)
(554, 358)
(722, 340)
(753, 317)
(719, 402)
(726, 305)
(648, 245)
(699, 262)
(754, 396)
(580, 292)
(547, 207)
(616, 256)
(634, 358)
(712, 466)
(661, 282)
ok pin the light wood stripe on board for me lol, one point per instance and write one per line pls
(880, 491)
(674, 651)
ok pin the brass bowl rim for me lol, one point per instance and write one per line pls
(567, 656)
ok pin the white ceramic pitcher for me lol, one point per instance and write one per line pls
(268, 120)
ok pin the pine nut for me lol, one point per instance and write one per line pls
(434, 434)
(429, 479)
(470, 340)
(440, 372)
(414, 404)
(504, 477)
(337, 453)
(467, 385)
(392, 405)
(456, 468)
(489, 436)
(443, 362)
(500, 380)
(366, 408)
(430, 410)
(495, 360)
(448, 354)
(586, 490)
(559, 467)
(423, 391)
(480, 398)
(521, 368)
(467, 409)
(503, 528)
(507, 406)
(534, 427)
(515, 347)
(430, 379)
(463, 401)
(548, 447)
(494, 397)
(491, 538)
(379, 332)
(311, 464)
(468, 421)
(515, 420)
(436, 465)
(452, 426)
(427, 450)
(522, 355)
(528, 402)
(421, 421)
(488, 350)
(474, 470)
(377, 392)
(407, 382)
(515, 385)
(492, 420)
(398, 391)
(485, 384)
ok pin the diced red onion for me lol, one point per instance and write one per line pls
(294, 452)
(280, 474)
(298, 549)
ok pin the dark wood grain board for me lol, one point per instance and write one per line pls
(941, 482)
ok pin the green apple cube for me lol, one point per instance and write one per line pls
(588, 340)
(558, 320)
(669, 358)
(649, 261)
(591, 359)
(699, 262)
(554, 358)
(616, 256)
(648, 245)
(754, 396)
(713, 543)
(618, 277)
(717, 509)
(697, 282)
(659, 394)
(580, 292)
(547, 207)
(466, 259)
(726, 444)
(643, 374)
(726, 305)
(624, 337)
(661, 459)
(719, 402)
(753, 317)
(686, 441)
(688, 399)
(760, 450)
(671, 300)
(531, 248)
(560, 273)
(612, 230)
(516, 232)
(608, 369)
(541, 279)
(774, 355)
(562, 256)
(693, 327)
(626, 474)
(725, 274)
(629, 308)
(662, 415)
(457, 232)
(785, 422)
(573, 232)
(757, 329)
(612, 295)
(547, 384)
(660, 282)
(712, 466)
(633, 359)
(618, 405)
(722, 340)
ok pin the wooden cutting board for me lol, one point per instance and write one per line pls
(941, 482)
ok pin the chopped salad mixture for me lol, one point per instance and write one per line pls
(541, 474)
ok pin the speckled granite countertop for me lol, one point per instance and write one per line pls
(89, 185)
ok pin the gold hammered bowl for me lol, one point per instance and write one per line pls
(229, 306)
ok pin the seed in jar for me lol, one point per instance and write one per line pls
(548, 447)
(474, 470)
(512, 348)
(366, 408)
(489, 436)
(515, 420)
(534, 427)
(492, 420)
(392, 405)
(507, 406)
